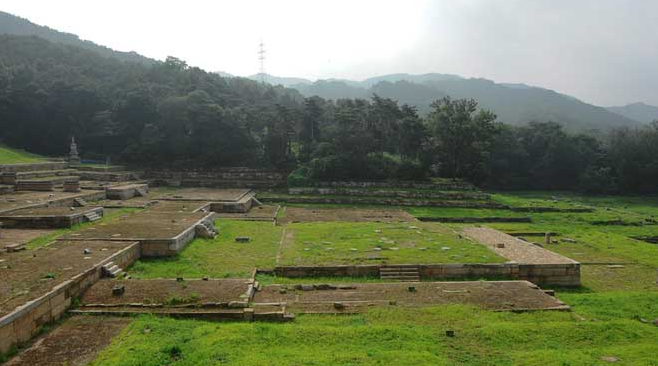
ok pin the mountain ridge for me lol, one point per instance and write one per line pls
(15, 25)
(639, 111)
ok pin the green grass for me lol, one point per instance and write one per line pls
(461, 212)
(611, 315)
(601, 325)
(327, 243)
(219, 257)
(15, 156)
(107, 217)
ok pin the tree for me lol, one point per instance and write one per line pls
(461, 136)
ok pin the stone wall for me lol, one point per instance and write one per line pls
(55, 165)
(474, 219)
(452, 185)
(171, 247)
(47, 221)
(383, 201)
(563, 275)
(341, 191)
(26, 321)
(219, 178)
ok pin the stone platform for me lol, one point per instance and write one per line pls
(49, 217)
(359, 297)
(160, 234)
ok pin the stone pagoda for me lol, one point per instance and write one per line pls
(74, 158)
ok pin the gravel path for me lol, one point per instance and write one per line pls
(515, 249)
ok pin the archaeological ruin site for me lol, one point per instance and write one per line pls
(91, 252)
(329, 183)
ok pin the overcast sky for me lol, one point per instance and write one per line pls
(602, 51)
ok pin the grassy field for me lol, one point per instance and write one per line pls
(328, 243)
(611, 322)
(220, 257)
(602, 325)
(15, 156)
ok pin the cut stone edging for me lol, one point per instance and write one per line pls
(567, 275)
(26, 320)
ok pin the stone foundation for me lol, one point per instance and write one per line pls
(126, 192)
(219, 178)
(563, 275)
(26, 321)
(17, 221)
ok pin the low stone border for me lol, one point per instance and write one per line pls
(474, 219)
(382, 201)
(564, 275)
(16, 221)
(338, 191)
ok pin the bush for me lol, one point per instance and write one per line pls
(299, 178)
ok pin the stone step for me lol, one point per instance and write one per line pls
(399, 274)
(92, 216)
(112, 270)
(80, 202)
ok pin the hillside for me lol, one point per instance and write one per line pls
(160, 113)
(513, 103)
(637, 111)
(15, 156)
(13, 25)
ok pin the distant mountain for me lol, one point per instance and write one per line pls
(637, 111)
(277, 80)
(224, 74)
(513, 103)
(11, 24)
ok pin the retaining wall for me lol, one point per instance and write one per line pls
(55, 165)
(26, 321)
(456, 185)
(338, 191)
(219, 178)
(382, 201)
(567, 275)
(172, 246)
(47, 221)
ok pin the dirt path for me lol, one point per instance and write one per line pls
(286, 237)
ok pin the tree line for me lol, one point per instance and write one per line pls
(171, 115)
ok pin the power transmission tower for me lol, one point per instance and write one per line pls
(261, 59)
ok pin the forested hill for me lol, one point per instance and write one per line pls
(159, 114)
(515, 104)
(10, 24)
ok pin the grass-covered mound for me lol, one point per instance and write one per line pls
(15, 156)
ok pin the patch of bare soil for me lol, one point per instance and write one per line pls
(28, 274)
(21, 236)
(301, 214)
(142, 225)
(166, 292)
(495, 295)
(75, 342)
(513, 248)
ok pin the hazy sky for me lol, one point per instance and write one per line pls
(602, 51)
